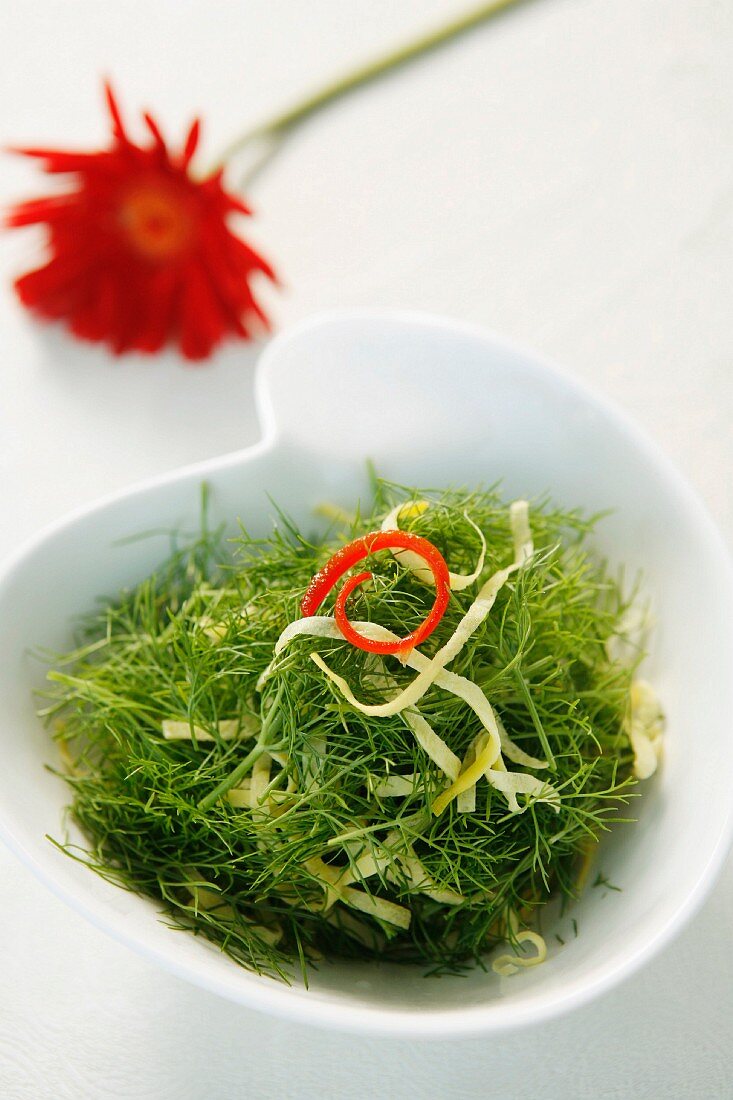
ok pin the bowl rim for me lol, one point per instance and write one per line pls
(276, 998)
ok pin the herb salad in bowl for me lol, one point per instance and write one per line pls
(358, 735)
(221, 764)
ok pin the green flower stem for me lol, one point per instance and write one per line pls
(271, 133)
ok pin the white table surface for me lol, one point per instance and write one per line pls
(565, 176)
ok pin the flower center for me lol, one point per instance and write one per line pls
(156, 221)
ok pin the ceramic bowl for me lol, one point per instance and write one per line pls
(432, 403)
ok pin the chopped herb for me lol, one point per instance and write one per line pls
(263, 830)
(602, 880)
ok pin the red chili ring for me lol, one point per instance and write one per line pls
(343, 560)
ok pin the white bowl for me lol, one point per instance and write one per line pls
(432, 403)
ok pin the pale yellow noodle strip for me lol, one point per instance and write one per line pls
(513, 783)
(260, 779)
(506, 965)
(326, 877)
(229, 729)
(515, 754)
(420, 880)
(366, 934)
(396, 786)
(645, 727)
(415, 563)
(386, 859)
(486, 754)
(376, 907)
(332, 878)
(206, 899)
(372, 863)
(432, 744)
(521, 532)
(466, 800)
(241, 797)
(500, 766)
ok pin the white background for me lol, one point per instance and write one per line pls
(564, 175)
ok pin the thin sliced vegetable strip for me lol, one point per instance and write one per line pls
(228, 729)
(487, 752)
(413, 562)
(396, 866)
(330, 878)
(396, 786)
(466, 801)
(645, 727)
(506, 965)
(521, 531)
(434, 746)
(500, 766)
(514, 783)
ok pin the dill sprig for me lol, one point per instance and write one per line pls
(189, 644)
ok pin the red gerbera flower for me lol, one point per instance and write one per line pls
(141, 252)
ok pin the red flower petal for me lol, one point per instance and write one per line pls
(141, 252)
(159, 310)
(118, 128)
(191, 143)
(152, 125)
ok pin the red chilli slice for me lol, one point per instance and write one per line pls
(356, 551)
